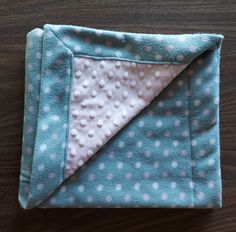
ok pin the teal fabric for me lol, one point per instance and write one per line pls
(167, 156)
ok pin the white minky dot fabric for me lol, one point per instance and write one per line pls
(105, 96)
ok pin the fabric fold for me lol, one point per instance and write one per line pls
(86, 88)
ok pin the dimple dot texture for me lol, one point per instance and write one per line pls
(105, 96)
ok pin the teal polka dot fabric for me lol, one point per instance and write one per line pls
(164, 154)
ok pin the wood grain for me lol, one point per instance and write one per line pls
(173, 17)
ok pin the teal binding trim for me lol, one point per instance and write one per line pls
(56, 98)
(68, 112)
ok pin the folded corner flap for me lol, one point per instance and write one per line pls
(49, 171)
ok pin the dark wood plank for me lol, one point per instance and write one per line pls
(154, 16)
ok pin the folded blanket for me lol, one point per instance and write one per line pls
(117, 119)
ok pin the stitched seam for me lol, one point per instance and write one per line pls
(126, 59)
(68, 111)
(190, 140)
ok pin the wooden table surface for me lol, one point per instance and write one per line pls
(169, 17)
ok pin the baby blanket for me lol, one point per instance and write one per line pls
(118, 119)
